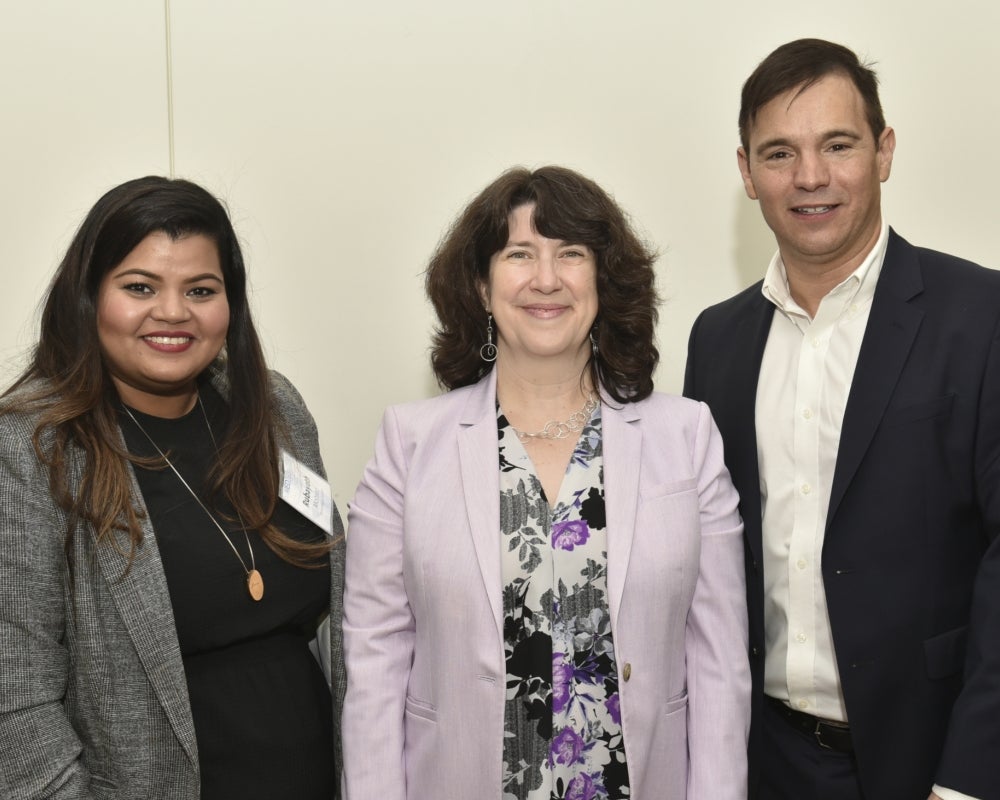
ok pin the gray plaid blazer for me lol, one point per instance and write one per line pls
(93, 699)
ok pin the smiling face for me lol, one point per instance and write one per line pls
(542, 294)
(162, 318)
(817, 170)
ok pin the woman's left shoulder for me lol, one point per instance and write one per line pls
(672, 417)
(669, 406)
(284, 392)
(280, 385)
(291, 411)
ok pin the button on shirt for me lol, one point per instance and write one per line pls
(805, 379)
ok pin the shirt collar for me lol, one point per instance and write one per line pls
(856, 289)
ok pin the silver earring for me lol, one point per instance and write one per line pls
(593, 343)
(488, 352)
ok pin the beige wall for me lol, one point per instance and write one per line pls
(345, 137)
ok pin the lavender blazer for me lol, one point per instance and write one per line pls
(423, 638)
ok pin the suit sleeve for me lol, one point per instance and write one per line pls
(39, 749)
(690, 382)
(972, 747)
(718, 669)
(378, 627)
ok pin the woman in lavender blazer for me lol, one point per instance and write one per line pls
(545, 586)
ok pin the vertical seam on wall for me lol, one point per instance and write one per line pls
(170, 88)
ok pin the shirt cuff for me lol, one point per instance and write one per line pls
(951, 794)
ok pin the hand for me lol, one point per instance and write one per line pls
(934, 796)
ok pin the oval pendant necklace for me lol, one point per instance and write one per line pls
(255, 583)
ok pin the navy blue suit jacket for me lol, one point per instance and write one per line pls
(911, 556)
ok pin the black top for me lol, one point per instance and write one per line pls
(261, 705)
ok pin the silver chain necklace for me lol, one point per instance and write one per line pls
(554, 429)
(255, 583)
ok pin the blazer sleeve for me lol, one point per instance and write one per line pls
(39, 749)
(301, 427)
(718, 668)
(378, 626)
(972, 747)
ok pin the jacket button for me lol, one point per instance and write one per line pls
(627, 671)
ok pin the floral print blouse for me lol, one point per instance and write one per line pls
(562, 725)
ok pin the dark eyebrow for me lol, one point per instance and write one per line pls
(205, 276)
(769, 143)
(844, 134)
(779, 141)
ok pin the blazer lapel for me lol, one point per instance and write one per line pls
(478, 453)
(143, 603)
(735, 413)
(622, 454)
(892, 327)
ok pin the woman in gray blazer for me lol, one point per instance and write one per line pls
(167, 543)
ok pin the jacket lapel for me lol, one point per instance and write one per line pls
(735, 412)
(892, 327)
(143, 603)
(622, 454)
(478, 453)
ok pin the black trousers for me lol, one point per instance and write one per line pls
(794, 767)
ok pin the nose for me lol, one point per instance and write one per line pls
(546, 278)
(171, 307)
(811, 172)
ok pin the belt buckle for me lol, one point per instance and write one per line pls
(832, 727)
(819, 736)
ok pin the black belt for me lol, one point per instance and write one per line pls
(829, 734)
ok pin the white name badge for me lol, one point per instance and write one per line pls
(306, 492)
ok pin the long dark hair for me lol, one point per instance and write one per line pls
(569, 207)
(68, 383)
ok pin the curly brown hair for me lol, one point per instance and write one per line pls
(571, 208)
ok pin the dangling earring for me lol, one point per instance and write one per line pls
(593, 341)
(488, 352)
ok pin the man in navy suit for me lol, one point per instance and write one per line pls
(857, 388)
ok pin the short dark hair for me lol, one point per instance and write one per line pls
(571, 208)
(801, 64)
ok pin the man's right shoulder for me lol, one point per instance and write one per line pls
(746, 300)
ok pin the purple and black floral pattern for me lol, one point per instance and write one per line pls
(562, 725)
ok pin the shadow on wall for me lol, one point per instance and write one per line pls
(753, 242)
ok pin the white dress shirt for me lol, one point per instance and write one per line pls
(805, 380)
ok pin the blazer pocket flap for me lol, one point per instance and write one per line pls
(671, 488)
(677, 703)
(421, 709)
(945, 653)
(923, 409)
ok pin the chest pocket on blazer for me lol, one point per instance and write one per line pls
(667, 542)
(922, 410)
(675, 502)
(668, 489)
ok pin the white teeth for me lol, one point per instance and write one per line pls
(813, 209)
(167, 339)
